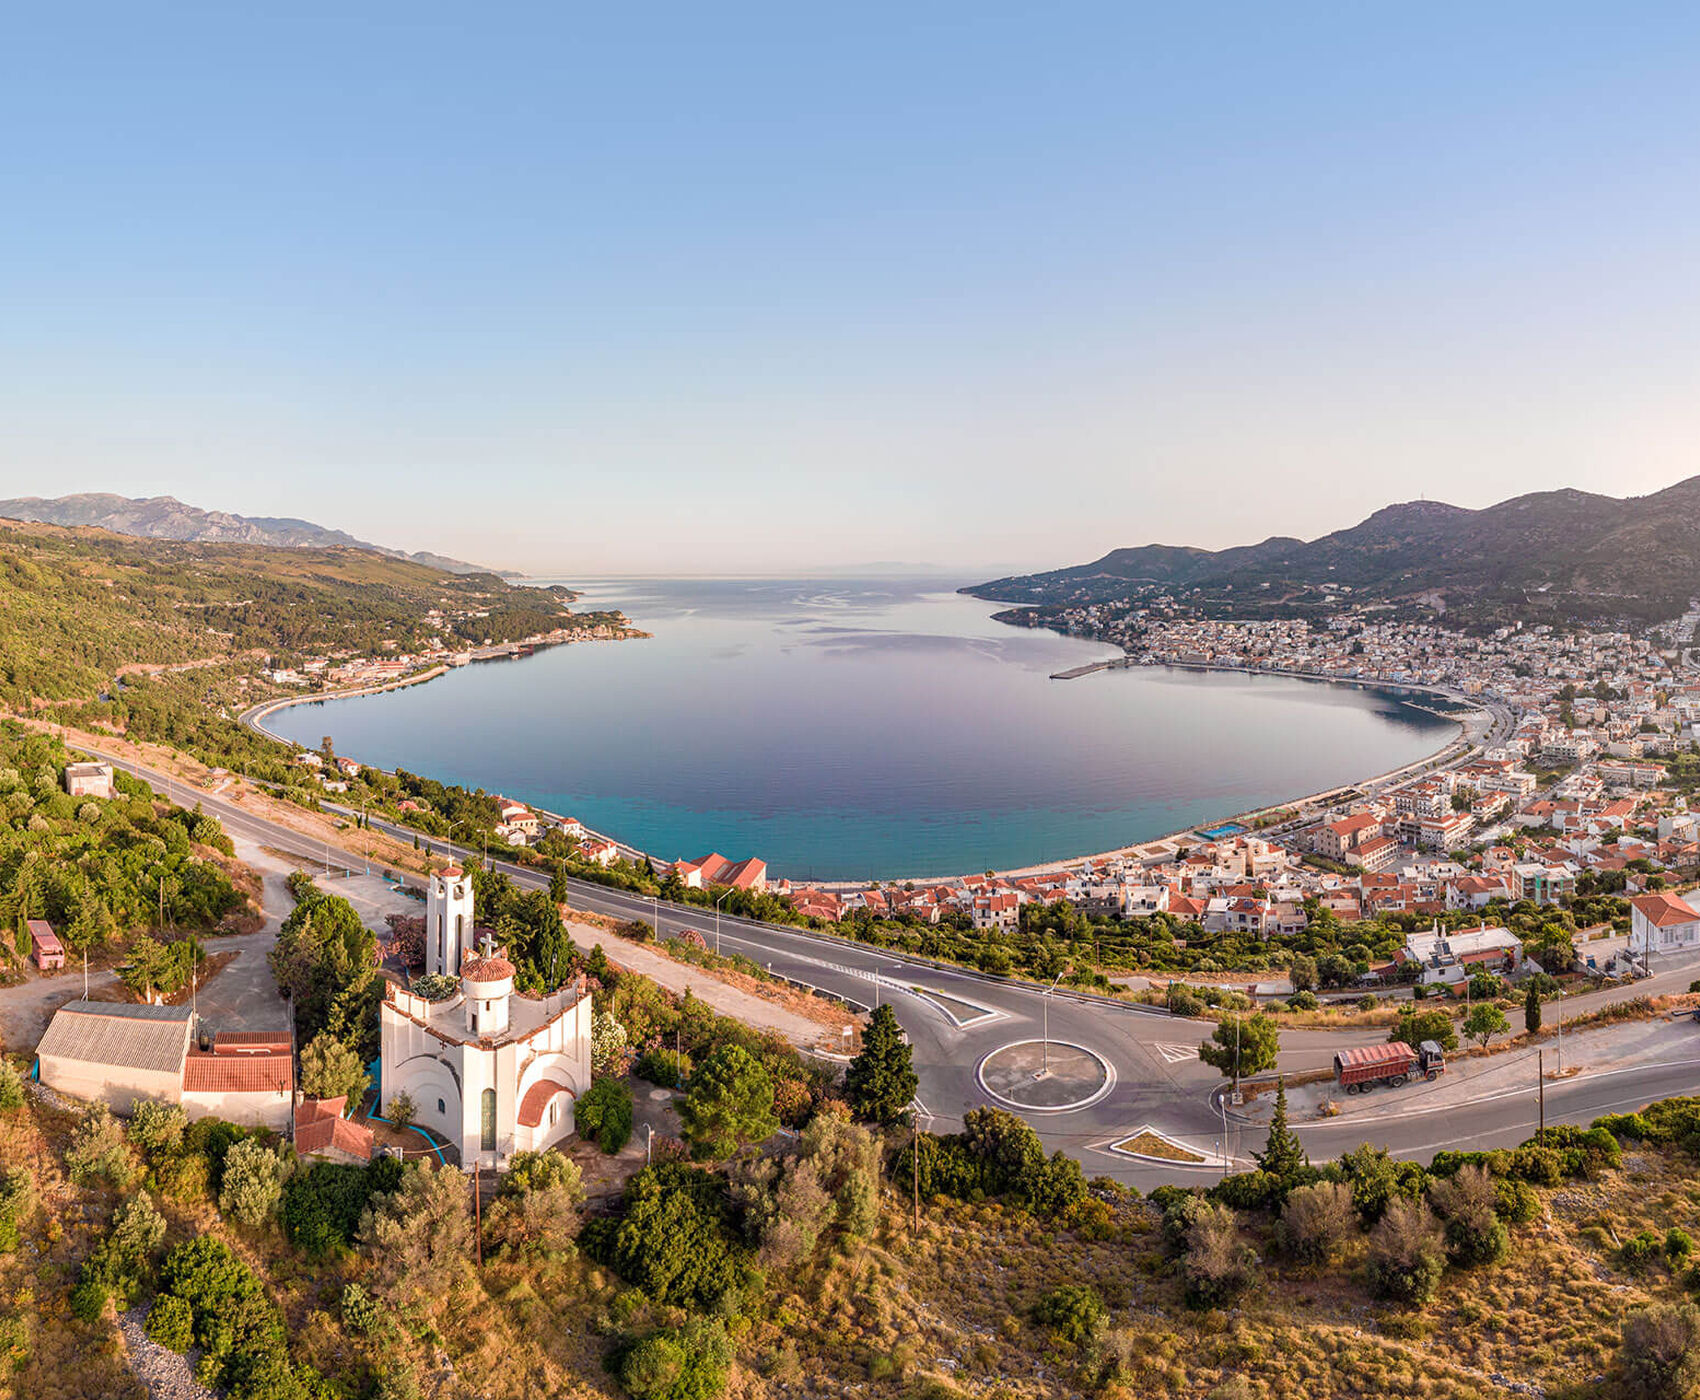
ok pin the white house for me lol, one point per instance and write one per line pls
(493, 1072)
(1662, 923)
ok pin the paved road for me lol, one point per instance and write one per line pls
(1158, 1081)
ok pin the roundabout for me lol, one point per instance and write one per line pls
(1036, 1076)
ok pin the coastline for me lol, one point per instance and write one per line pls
(1455, 748)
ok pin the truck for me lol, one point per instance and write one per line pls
(1360, 1069)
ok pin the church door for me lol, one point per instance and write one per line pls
(487, 1121)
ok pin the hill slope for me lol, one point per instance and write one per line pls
(1557, 555)
(167, 518)
(78, 604)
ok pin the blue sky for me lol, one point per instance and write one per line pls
(730, 288)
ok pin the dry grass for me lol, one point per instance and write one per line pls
(943, 1311)
(1148, 1144)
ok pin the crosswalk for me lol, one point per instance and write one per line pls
(1176, 1054)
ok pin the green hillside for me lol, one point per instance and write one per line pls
(79, 604)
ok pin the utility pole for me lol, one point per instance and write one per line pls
(478, 1207)
(1561, 1032)
(1222, 1103)
(717, 923)
(915, 1160)
(1541, 1078)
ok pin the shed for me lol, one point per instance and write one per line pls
(45, 947)
(116, 1051)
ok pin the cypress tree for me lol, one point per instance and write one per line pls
(1283, 1154)
(1532, 1009)
(881, 1080)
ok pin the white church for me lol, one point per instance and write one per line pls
(493, 1072)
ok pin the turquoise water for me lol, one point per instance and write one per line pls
(849, 728)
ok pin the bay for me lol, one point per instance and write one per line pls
(853, 728)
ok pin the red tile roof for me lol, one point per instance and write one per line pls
(252, 1073)
(320, 1126)
(536, 1099)
(248, 1042)
(1663, 910)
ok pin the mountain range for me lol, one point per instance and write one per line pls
(1564, 556)
(167, 518)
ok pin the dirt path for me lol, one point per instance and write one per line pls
(728, 1000)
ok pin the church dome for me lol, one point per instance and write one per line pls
(494, 968)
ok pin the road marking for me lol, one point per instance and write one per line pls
(1176, 1054)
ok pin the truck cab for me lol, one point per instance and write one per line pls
(1431, 1060)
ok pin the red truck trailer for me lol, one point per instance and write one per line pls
(1362, 1068)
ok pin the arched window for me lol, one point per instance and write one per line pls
(487, 1121)
(553, 1105)
(442, 1108)
(460, 929)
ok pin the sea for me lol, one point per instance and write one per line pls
(865, 728)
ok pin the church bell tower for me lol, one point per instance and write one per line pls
(448, 921)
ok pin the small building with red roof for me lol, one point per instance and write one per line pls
(322, 1131)
(1662, 923)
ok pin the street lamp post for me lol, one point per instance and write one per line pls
(655, 915)
(449, 840)
(1045, 1004)
(717, 922)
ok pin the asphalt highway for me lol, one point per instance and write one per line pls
(1151, 1077)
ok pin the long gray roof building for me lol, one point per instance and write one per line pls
(117, 1051)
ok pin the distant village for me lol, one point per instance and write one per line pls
(344, 670)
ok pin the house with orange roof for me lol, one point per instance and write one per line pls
(1662, 923)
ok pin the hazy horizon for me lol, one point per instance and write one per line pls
(771, 291)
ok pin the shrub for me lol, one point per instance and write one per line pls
(673, 1241)
(17, 1200)
(1183, 1001)
(1406, 1255)
(536, 1212)
(1316, 1221)
(171, 1322)
(11, 1087)
(604, 1115)
(682, 1363)
(793, 1102)
(1538, 1165)
(1638, 1253)
(1074, 1313)
(1218, 1265)
(1253, 1190)
(98, 1150)
(89, 1298)
(664, 1068)
(1516, 1202)
(1303, 1001)
(1679, 1244)
(322, 1206)
(157, 1128)
(361, 1312)
(1468, 1203)
(213, 1138)
(1377, 1180)
(184, 1176)
(254, 1175)
(402, 1109)
(1659, 1358)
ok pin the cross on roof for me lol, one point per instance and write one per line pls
(488, 947)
